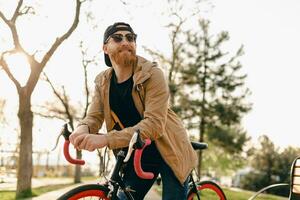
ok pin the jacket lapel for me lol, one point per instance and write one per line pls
(106, 86)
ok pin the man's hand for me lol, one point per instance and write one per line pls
(81, 139)
(91, 142)
(78, 135)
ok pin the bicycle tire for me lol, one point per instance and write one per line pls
(90, 191)
(207, 190)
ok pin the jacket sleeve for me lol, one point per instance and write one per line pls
(156, 103)
(95, 115)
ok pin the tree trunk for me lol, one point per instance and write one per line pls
(77, 176)
(201, 135)
(25, 159)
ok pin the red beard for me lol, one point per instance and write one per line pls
(125, 56)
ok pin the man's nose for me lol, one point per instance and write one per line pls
(124, 41)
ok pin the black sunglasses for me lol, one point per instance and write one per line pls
(130, 37)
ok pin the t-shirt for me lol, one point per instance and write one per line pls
(121, 103)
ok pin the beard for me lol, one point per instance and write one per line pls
(124, 56)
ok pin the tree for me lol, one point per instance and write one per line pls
(215, 76)
(67, 111)
(174, 62)
(270, 165)
(25, 114)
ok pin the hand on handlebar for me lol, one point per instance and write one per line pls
(81, 139)
(78, 135)
(91, 142)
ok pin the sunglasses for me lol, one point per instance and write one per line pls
(130, 37)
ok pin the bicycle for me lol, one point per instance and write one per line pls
(110, 189)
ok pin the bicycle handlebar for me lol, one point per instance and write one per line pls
(135, 143)
(68, 156)
(137, 162)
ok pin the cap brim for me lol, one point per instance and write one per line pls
(107, 60)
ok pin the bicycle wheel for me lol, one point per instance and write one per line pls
(89, 191)
(207, 190)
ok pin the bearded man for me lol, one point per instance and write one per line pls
(133, 95)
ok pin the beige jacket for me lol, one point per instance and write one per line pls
(151, 97)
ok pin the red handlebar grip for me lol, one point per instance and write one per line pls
(137, 162)
(68, 156)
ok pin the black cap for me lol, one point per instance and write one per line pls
(118, 26)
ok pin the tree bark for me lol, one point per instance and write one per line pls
(77, 176)
(201, 139)
(25, 159)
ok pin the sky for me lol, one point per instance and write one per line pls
(270, 32)
(268, 29)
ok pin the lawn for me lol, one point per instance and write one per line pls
(10, 195)
(233, 194)
(244, 195)
(36, 191)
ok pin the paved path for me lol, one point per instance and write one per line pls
(11, 185)
(152, 195)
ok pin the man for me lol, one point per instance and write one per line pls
(133, 95)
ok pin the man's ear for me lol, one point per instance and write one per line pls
(104, 48)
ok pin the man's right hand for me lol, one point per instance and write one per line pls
(78, 135)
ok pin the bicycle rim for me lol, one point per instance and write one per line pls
(207, 190)
(86, 192)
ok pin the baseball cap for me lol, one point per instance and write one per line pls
(118, 26)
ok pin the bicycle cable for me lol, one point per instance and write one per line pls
(102, 171)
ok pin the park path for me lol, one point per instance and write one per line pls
(152, 194)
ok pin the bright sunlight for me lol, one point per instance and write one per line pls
(19, 67)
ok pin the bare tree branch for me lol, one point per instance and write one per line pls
(53, 88)
(51, 116)
(85, 62)
(59, 40)
(7, 70)
(17, 12)
(27, 10)
(39, 68)
(4, 18)
(63, 98)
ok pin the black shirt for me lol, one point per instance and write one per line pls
(121, 103)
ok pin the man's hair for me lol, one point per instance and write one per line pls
(118, 26)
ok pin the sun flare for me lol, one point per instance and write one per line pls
(19, 67)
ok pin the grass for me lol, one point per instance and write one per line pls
(245, 195)
(235, 195)
(10, 195)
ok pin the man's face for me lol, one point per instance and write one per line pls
(121, 48)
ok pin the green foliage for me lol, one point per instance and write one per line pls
(206, 86)
(270, 166)
(212, 74)
(213, 96)
(217, 163)
(232, 139)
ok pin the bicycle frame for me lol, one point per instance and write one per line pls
(116, 181)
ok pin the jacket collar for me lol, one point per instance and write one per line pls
(141, 71)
